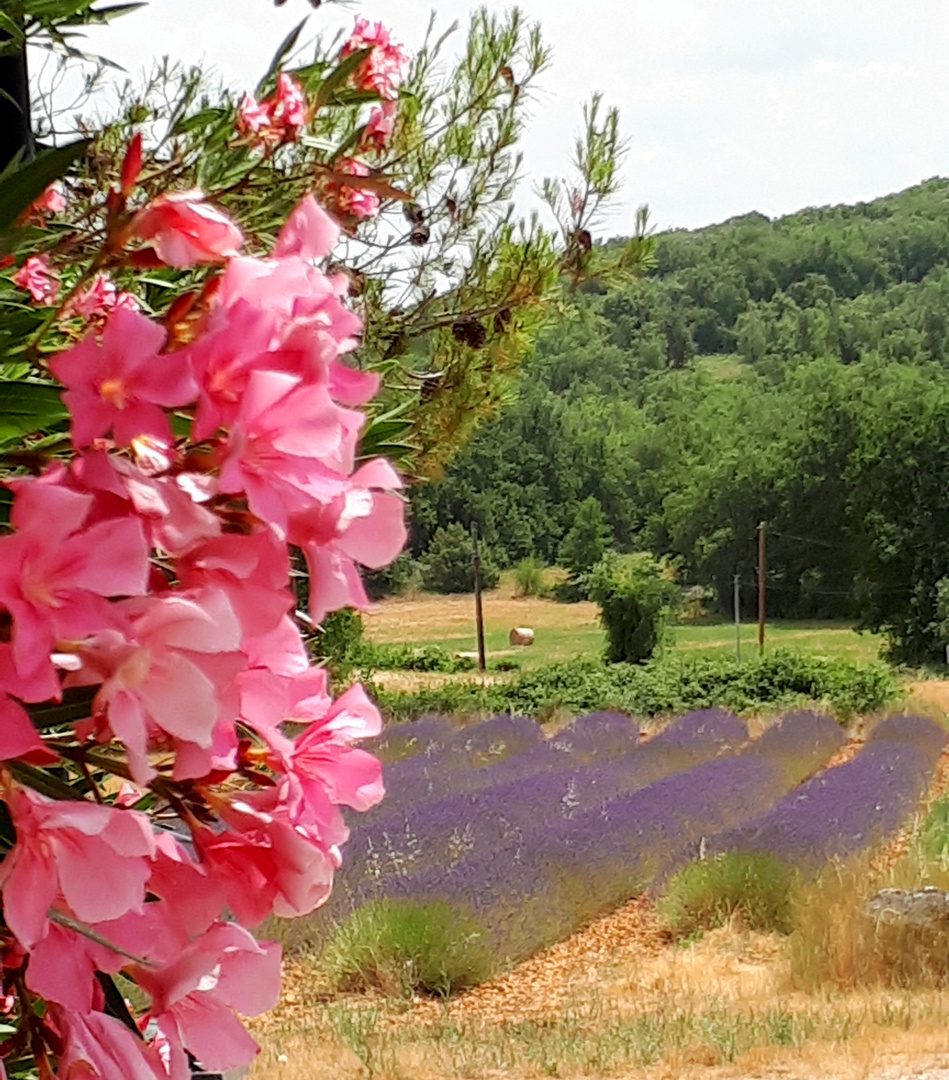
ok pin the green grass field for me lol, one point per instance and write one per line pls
(565, 631)
(828, 639)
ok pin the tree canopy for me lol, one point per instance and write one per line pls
(793, 371)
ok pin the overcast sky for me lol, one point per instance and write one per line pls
(728, 105)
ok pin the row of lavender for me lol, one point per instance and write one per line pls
(539, 835)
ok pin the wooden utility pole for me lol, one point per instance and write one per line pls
(737, 602)
(16, 135)
(479, 613)
(761, 588)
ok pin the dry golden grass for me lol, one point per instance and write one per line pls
(418, 618)
(616, 1000)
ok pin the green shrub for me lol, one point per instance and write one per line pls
(401, 577)
(571, 591)
(668, 684)
(406, 657)
(707, 893)
(529, 578)
(934, 833)
(636, 598)
(448, 564)
(338, 642)
(404, 947)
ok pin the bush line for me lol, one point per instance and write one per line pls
(668, 684)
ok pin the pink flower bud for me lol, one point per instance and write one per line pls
(131, 166)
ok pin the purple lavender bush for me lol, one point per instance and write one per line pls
(532, 790)
(539, 875)
(597, 736)
(405, 740)
(852, 807)
(435, 769)
(542, 885)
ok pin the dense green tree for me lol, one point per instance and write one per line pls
(448, 564)
(588, 540)
(817, 403)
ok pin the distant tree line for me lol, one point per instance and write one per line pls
(794, 372)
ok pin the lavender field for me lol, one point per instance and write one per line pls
(536, 836)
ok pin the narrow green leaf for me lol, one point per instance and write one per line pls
(26, 407)
(43, 781)
(9, 26)
(115, 1002)
(19, 189)
(114, 11)
(199, 120)
(338, 76)
(286, 47)
(76, 705)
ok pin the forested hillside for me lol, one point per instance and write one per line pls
(793, 371)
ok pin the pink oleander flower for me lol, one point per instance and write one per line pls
(352, 199)
(99, 1047)
(279, 652)
(101, 297)
(170, 676)
(55, 572)
(169, 507)
(323, 759)
(309, 233)
(98, 299)
(185, 230)
(195, 996)
(264, 862)
(248, 338)
(64, 852)
(120, 383)
(63, 964)
(151, 455)
(39, 279)
(52, 201)
(289, 105)
(127, 301)
(223, 358)
(277, 119)
(383, 70)
(252, 571)
(278, 314)
(378, 130)
(361, 523)
(18, 737)
(253, 115)
(286, 442)
(321, 770)
(191, 904)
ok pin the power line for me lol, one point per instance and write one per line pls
(811, 540)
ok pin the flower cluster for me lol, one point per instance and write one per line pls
(351, 199)
(384, 68)
(278, 119)
(147, 577)
(39, 279)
